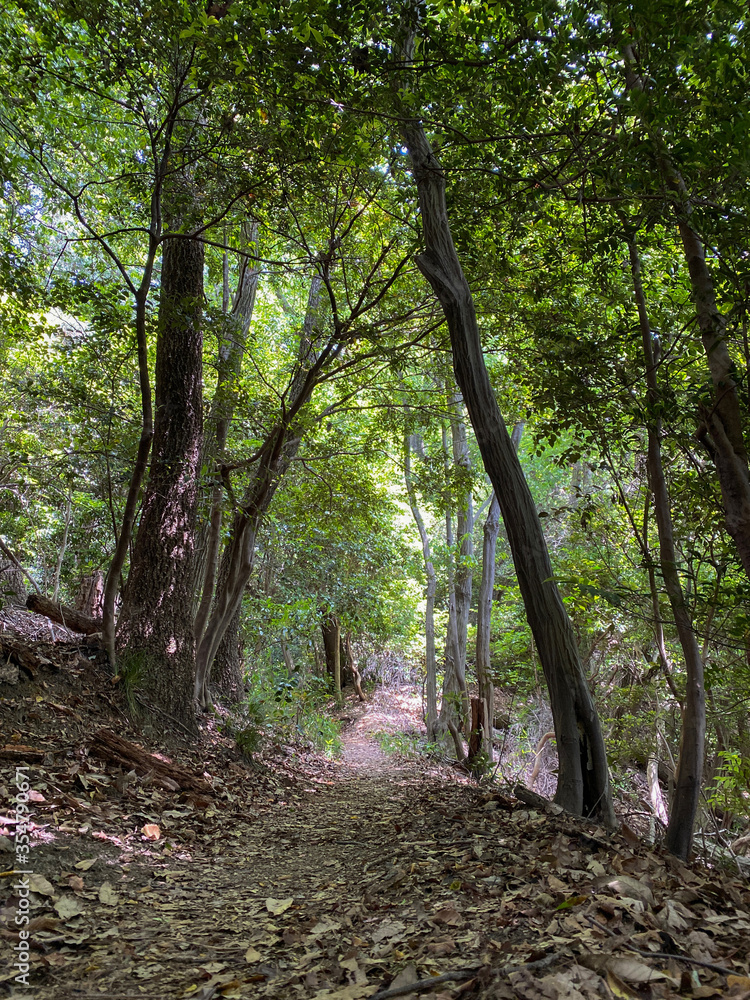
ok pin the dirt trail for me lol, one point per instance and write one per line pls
(336, 880)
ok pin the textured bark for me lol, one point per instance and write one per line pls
(484, 610)
(90, 594)
(686, 798)
(583, 781)
(331, 631)
(156, 620)
(431, 717)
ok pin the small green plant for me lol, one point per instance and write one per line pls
(323, 732)
(731, 791)
(408, 745)
(132, 671)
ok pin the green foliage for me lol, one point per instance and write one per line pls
(132, 669)
(409, 746)
(731, 788)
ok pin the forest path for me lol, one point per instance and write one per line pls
(302, 878)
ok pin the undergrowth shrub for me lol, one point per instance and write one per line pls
(286, 708)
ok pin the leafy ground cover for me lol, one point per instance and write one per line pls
(294, 875)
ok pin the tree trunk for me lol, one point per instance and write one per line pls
(68, 617)
(272, 460)
(331, 631)
(156, 620)
(463, 574)
(722, 427)
(61, 553)
(231, 350)
(455, 700)
(684, 805)
(484, 611)
(431, 718)
(91, 594)
(583, 781)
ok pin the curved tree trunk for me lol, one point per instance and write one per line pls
(156, 620)
(722, 429)
(692, 747)
(272, 460)
(583, 781)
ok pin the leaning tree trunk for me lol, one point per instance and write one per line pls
(231, 351)
(156, 627)
(583, 780)
(686, 797)
(271, 461)
(484, 613)
(721, 430)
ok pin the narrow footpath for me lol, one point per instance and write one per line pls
(364, 877)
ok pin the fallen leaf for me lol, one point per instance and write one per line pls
(38, 883)
(107, 895)
(151, 831)
(277, 906)
(83, 866)
(68, 907)
(252, 955)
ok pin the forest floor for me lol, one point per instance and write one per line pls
(294, 876)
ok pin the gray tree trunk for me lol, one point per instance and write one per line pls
(229, 364)
(431, 715)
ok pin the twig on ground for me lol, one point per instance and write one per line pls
(660, 954)
(153, 708)
(422, 985)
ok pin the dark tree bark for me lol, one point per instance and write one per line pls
(686, 797)
(722, 425)
(583, 781)
(331, 631)
(484, 611)
(156, 619)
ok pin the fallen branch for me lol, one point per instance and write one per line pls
(422, 985)
(112, 747)
(659, 954)
(63, 615)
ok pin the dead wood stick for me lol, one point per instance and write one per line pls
(660, 954)
(63, 615)
(114, 748)
(422, 985)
